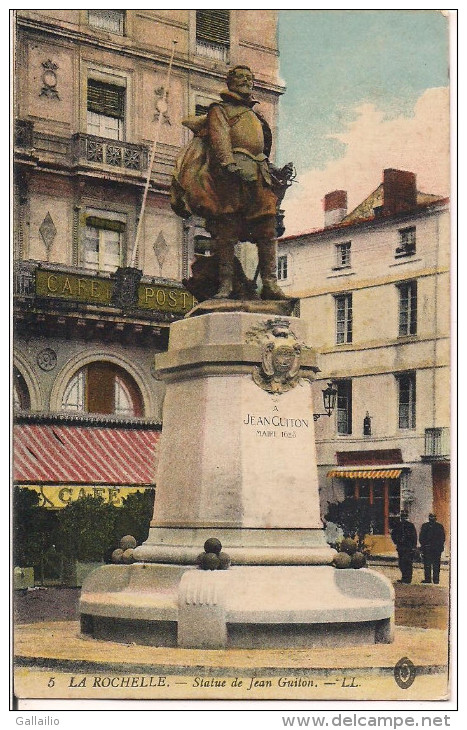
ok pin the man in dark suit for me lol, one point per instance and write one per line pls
(404, 536)
(432, 539)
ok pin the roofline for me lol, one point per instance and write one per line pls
(366, 221)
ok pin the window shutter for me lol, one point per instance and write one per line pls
(105, 99)
(108, 225)
(213, 25)
(100, 388)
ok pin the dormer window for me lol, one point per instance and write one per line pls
(407, 241)
(343, 255)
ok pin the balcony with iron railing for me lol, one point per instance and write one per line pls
(214, 51)
(91, 149)
(23, 133)
(437, 444)
(24, 278)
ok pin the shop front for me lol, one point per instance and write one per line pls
(89, 469)
(382, 491)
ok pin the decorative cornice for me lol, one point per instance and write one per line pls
(345, 229)
(259, 47)
(159, 19)
(87, 419)
(161, 56)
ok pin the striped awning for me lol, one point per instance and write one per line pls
(84, 455)
(365, 473)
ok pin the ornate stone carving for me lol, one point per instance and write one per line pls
(114, 155)
(160, 249)
(282, 352)
(49, 80)
(125, 292)
(48, 232)
(46, 359)
(161, 105)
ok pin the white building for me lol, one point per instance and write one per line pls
(374, 284)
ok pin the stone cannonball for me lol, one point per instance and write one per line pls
(358, 560)
(224, 561)
(117, 555)
(128, 556)
(349, 545)
(210, 561)
(127, 542)
(342, 560)
(213, 545)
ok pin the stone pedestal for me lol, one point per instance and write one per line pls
(237, 462)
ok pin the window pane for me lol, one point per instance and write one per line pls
(378, 490)
(91, 248)
(365, 492)
(349, 488)
(123, 402)
(378, 517)
(344, 318)
(344, 407)
(282, 267)
(407, 242)
(407, 401)
(111, 255)
(93, 124)
(111, 127)
(103, 126)
(343, 254)
(73, 398)
(408, 309)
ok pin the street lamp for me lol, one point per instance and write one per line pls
(329, 400)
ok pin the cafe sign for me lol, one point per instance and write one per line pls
(97, 290)
(59, 497)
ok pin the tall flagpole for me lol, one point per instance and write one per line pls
(162, 107)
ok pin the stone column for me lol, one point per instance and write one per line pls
(237, 456)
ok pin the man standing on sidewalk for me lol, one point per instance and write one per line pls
(404, 536)
(432, 539)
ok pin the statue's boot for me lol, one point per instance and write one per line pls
(225, 253)
(267, 257)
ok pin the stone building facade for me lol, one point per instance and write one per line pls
(90, 312)
(375, 285)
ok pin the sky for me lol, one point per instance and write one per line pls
(366, 90)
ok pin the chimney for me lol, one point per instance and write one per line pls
(335, 207)
(399, 191)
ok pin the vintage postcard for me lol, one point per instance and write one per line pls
(231, 357)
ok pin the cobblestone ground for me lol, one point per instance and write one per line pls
(419, 605)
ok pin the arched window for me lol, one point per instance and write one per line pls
(73, 398)
(21, 398)
(105, 388)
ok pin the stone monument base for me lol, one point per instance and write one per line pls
(246, 606)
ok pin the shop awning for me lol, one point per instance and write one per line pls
(365, 473)
(84, 455)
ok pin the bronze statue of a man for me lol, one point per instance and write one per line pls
(228, 182)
